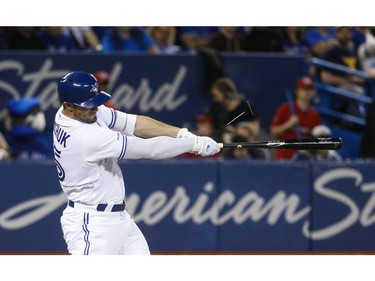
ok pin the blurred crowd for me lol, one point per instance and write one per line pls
(230, 115)
(357, 44)
(169, 39)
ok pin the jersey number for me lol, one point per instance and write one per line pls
(60, 169)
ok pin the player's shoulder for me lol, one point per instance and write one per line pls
(103, 109)
(104, 112)
(94, 135)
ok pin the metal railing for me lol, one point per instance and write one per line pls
(326, 90)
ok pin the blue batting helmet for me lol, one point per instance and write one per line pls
(82, 89)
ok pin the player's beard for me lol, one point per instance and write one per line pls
(87, 116)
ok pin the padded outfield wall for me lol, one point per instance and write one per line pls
(208, 206)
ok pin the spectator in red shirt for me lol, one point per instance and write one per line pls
(288, 122)
(104, 79)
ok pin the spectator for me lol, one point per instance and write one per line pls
(286, 125)
(125, 38)
(320, 131)
(228, 108)
(226, 39)
(263, 39)
(103, 79)
(100, 31)
(360, 35)
(24, 124)
(25, 38)
(195, 37)
(55, 40)
(366, 55)
(164, 37)
(244, 133)
(84, 38)
(216, 109)
(293, 41)
(343, 53)
(320, 39)
(203, 125)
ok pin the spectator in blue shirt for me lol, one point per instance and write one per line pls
(195, 37)
(55, 40)
(125, 38)
(164, 37)
(293, 41)
(320, 39)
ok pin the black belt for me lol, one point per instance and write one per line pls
(100, 207)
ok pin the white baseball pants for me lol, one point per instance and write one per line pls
(89, 232)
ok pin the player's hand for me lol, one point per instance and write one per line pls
(205, 146)
(184, 133)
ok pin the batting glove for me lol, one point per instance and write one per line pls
(205, 146)
(184, 133)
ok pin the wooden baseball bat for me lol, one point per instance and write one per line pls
(297, 144)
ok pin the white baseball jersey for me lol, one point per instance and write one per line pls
(86, 155)
(86, 158)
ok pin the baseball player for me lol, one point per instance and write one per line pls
(89, 139)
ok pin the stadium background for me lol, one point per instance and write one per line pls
(271, 206)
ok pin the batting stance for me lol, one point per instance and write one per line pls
(88, 141)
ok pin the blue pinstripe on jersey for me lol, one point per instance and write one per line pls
(114, 117)
(124, 145)
(87, 233)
